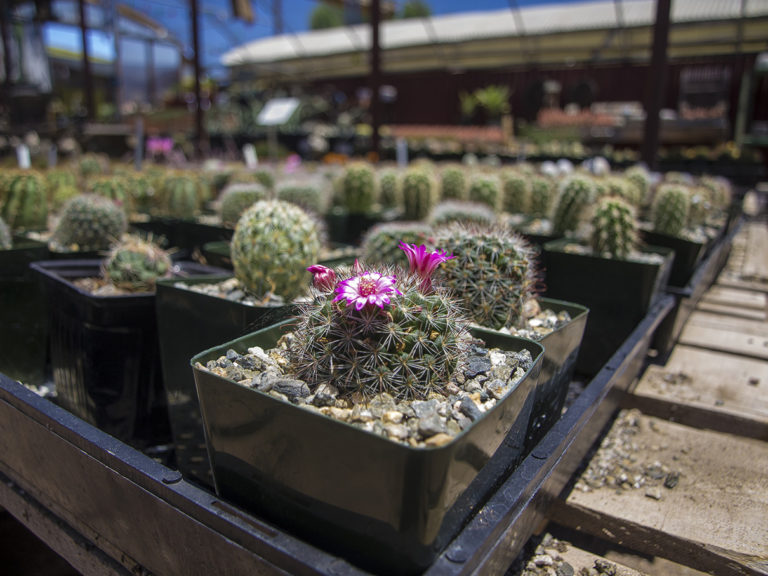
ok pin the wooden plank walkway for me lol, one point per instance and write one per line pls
(682, 472)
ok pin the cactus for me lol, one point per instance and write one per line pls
(720, 191)
(420, 193)
(26, 202)
(273, 243)
(141, 192)
(639, 177)
(358, 188)
(671, 209)
(135, 264)
(486, 190)
(61, 195)
(369, 331)
(93, 164)
(390, 190)
(623, 188)
(59, 178)
(116, 188)
(461, 211)
(575, 194)
(516, 192)
(310, 197)
(614, 229)
(179, 197)
(492, 271)
(236, 199)
(454, 183)
(381, 243)
(701, 206)
(89, 222)
(542, 195)
(5, 236)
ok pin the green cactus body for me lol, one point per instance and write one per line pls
(61, 195)
(93, 165)
(179, 198)
(720, 191)
(623, 188)
(420, 193)
(237, 198)
(381, 243)
(135, 264)
(56, 179)
(450, 211)
(26, 202)
(492, 271)
(141, 192)
(409, 349)
(5, 236)
(701, 207)
(542, 196)
(116, 188)
(614, 229)
(671, 209)
(516, 192)
(358, 188)
(639, 177)
(485, 189)
(273, 244)
(89, 222)
(575, 195)
(390, 190)
(310, 197)
(454, 183)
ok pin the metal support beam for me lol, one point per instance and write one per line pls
(375, 79)
(87, 76)
(5, 31)
(199, 124)
(277, 17)
(657, 75)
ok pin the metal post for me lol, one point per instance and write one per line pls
(375, 80)
(87, 77)
(149, 47)
(114, 17)
(199, 125)
(277, 17)
(5, 18)
(656, 83)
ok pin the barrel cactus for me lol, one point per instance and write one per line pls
(409, 336)
(543, 191)
(91, 164)
(236, 199)
(116, 188)
(381, 243)
(5, 236)
(179, 197)
(485, 189)
(89, 222)
(516, 192)
(575, 195)
(58, 178)
(614, 229)
(454, 183)
(273, 243)
(26, 202)
(640, 178)
(311, 197)
(671, 209)
(420, 193)
(450, 211)
(358, 188)
(493, 271)
(135, 264)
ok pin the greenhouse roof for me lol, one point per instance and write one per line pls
(591, 31)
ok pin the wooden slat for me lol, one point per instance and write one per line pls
(736, 298)
(713, 519)
(727, 323)
(730, 310)
(707, 389)
(755, 265)
(740, 336)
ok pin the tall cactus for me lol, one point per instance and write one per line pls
(390, 189)
(671, 209)
(575, 195)
(358, 188)
(485, 189)
(26, 202)
(179, 197)
(543, 190)
(454, 183)
(516, 192)
(420, 193)
(614, 229)
(236, 199)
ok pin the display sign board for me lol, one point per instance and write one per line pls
(277, 111)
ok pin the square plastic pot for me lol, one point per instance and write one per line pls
(386, 506)
(688, 255)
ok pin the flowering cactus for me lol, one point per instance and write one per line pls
(370, 330)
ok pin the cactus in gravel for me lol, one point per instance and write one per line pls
(116, 188)
(390, 190)
(461, 211)
(516, 192)
(310, 197)
(542, 195)
(486, 190)
(493, 272)
(135, 264)
(381, 243)
(179, 197)
(89, 222)
(236, 199)
(575, 194)
(5, 236)
(26, 202)
(420, 193)
(614, 229)
(671, 209)
(454, 183)
(358, 188)
(273, 243)
(368, 331)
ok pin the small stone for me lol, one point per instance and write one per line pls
(361, 414)
(392, 417)
(396, 431)
(469, 408)
(325, 395)
(498, 389)
(653, 492)
(232, 355)
(754, 381)
(438, 440)
(719, 402)
(564, 569)
(424, 408)
(224, 363)
(292, 388)
(543, 560)
(236, 295)
(671, 480)
(431, 425)
(477, 365)
(451, 389)
(605, 567)
(342, 414)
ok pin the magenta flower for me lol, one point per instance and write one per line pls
(423, 262)
(367, 288)
(324, 279)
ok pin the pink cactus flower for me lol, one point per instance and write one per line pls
(369, 288)
(324, 279)
(423, 262)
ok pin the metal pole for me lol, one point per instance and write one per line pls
(114, 16)
(375, 80)
(199, 125)
(87, 77)
(657, 75)
(5, 18)
(277, 17)
(149, 48)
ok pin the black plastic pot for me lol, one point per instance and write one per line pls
(688, 255)
(618, 294)
(105, 353)
(23, 316)
(218, 254)
(347, 228)
(561, 348)
(386, 506)
(188, 322)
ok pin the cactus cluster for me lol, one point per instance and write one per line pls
(516, 192)
(420, 192)
(485, 189)
(273, 243)
(135, 264)
(236, 199)
(493, 272)
(671, 209)
(453, 181)
(614, 228)
(390, 190)
(89, 222)
(575, 195)
(369, 331)
(358, 188)
(381, 243)
(25, 204)
(450, 211)
(5, 236)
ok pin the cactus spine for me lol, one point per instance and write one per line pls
(89, 222)
(575, 195)
(273, 244)
(614, 228)
(26, 202)
(135, 264)
(671, 209)
(420, 193)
